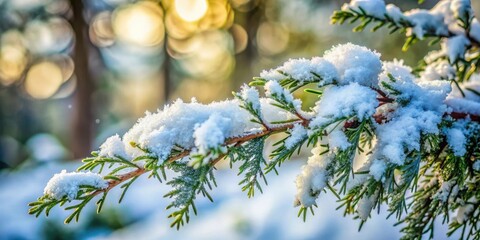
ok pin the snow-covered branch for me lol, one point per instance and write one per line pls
(377, 132)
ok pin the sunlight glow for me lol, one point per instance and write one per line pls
(191, 10)
(13, 61)
(43, 80)
(141, 24)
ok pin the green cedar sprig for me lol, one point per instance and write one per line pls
(186, 186)
(250, 156)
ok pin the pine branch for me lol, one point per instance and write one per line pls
(252, 161)
(351, 15)
(252, 171)
(186, 186)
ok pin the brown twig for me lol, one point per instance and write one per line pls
(121, 178)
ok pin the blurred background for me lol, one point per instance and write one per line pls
(74, 72)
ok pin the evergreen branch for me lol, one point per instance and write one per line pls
(424, 210)
(356, 133)
(186, 186)
(409, 178)
(351, 15)
(282, 153)
(252, 161)
(343, 167)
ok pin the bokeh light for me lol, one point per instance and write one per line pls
(272, 38)
(46, 37)
(66, 65)
(191, 10)
(240, 37)
(13, 61)
(43, 79)
(244, 5)
(140, 23)
(100, 32)
(219, 15)
(211, 57)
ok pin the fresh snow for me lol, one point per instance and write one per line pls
(456, 47)
(402, 134)
(475, 30)
(395, 13)
(337, 140)
(464, 212)
(113, 147)
(67, 184)
(303, 70)
(212, 133)
(457, 141)
(463, 105)
(461, 9)
(425, 22)
(297, 133)
(476, 165)
(351, 100)
(355, 64)
(469, 104)
(377, 169)
(365, 206)
(251, 96)
(448, 191)
(438, 70)
(274, 90)
(175, 125)
(313, 178)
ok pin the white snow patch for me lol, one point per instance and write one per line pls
(313, 178)
(456, 141)
(113, 147)
(475, 30)
(212, 133)
(251, 95)
(462, 9)
(338, 140)
(456, 47)
(448, 190)
(365, 206)
(68, 184)
(303, 70)
(351, 100)
(438, 70)
(176, 123)
(377, 169)
(355, 64)
(297, 133)
(464, 212)
(425, 22)
(476, 165)
(395, 13)
(274, 90)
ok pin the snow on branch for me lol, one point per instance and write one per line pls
(68, 185)
(378, 131)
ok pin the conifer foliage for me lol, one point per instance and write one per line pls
(380, 133)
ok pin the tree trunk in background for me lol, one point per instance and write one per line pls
(167, 74)
(82, 119)
(250, 21)
(167, 84)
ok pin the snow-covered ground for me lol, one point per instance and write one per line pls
(232, 216)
